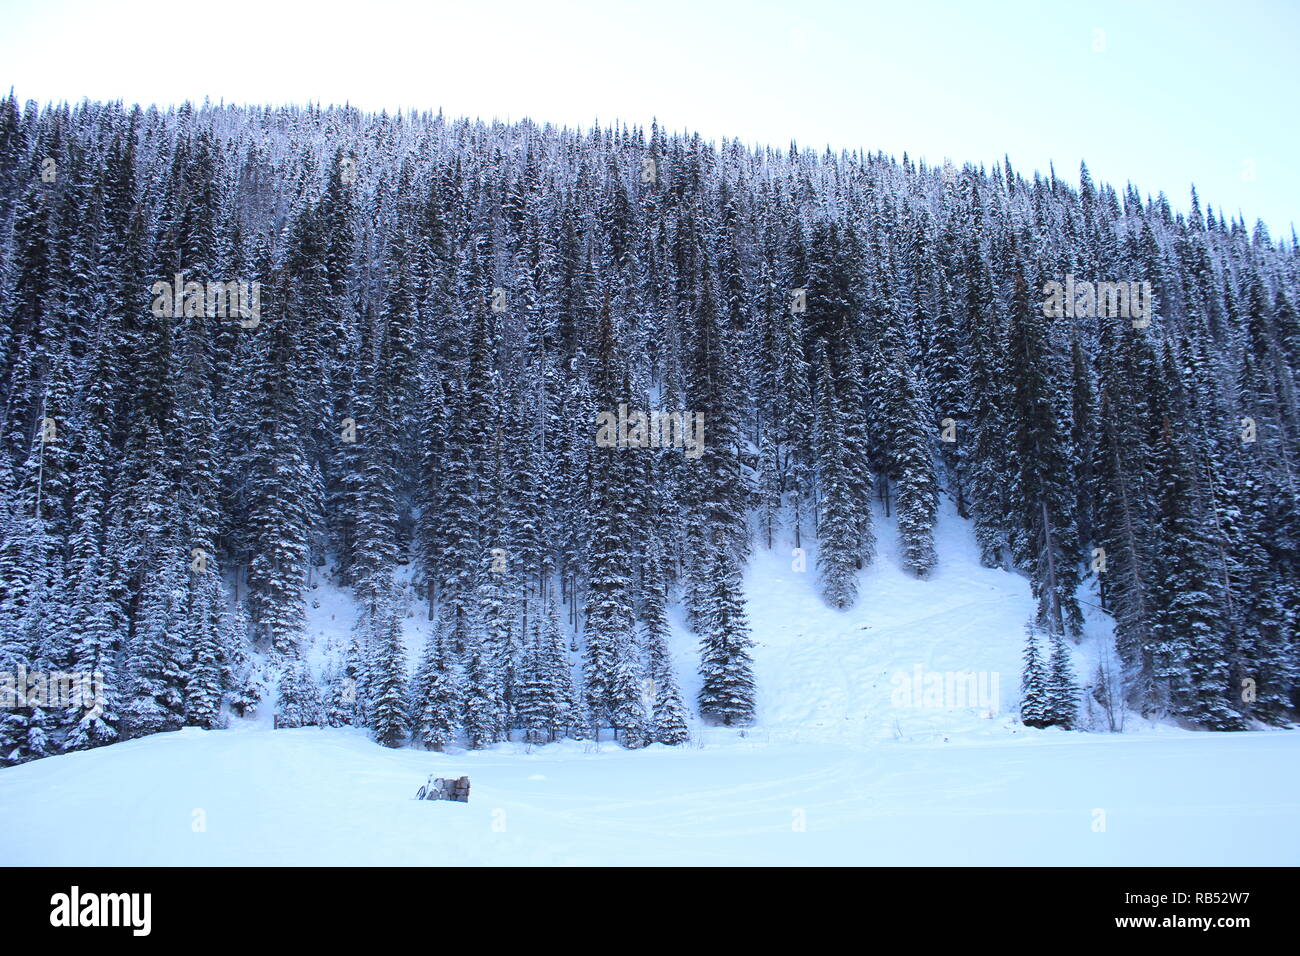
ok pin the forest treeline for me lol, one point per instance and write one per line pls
(443, 311)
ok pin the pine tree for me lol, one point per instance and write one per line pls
(1046, 502)
(279, 515)
(1124, 509)
(482, 715)
(389, 718)
(669, 719)
(629, 714)
(1062, 691)
(436, 703)
(155, 677)
(1035, 701)
(499, 621)
(564, 697)
(546, 690)
(727, 690)
(837, 523)
(534, 691)
(1191, 670)
(668, 722)
(911, 467)
(241, 675)
(96, 631)
(207, 639)
(611, 691)
(992, 479)
(298, 703)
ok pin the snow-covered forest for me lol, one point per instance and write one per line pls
(546, 387)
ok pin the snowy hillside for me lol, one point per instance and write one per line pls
(825, 674)
(340, 449)
(834, 676)
(832, 772)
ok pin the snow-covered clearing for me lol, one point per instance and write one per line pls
(313, 796)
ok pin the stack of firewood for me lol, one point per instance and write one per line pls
(439, 788)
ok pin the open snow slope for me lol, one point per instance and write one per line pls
(829, 675)
(839, 769)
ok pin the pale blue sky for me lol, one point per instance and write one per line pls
(1166, 94)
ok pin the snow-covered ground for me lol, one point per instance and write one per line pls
(842, 766)
(332, 797)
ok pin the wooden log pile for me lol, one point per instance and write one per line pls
(439, 788)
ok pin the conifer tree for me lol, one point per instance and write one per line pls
(911, 467)
(1190, 664)
(1035, 704)
(298, 703)
(1046, 503)
(668, 719)
(837, 523)
(611, 691)
(155, 676)
(207, 639)
(482, 705)
(389, 718)
(1062, 691)
(242, 676)
(436, 703)
(727, 690)
(546, 689)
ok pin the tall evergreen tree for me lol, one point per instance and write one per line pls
(727, 688)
